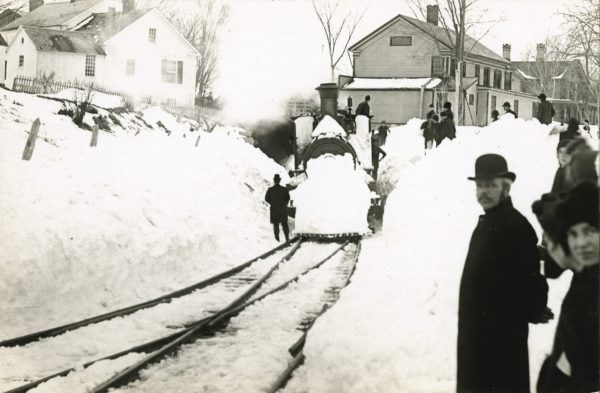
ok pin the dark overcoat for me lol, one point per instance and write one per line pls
(545, 112)
(363, 109)
(500, 291)
(577, 334)
(446, 126)
(278, 197)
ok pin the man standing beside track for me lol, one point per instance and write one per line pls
(501, 289)
(278, 197)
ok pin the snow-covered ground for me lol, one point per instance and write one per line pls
(394, 328)
(87, 230)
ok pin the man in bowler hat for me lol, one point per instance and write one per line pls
(278, 197)
(501, 289)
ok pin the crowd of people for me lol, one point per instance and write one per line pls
(503, 288)
(437, 128)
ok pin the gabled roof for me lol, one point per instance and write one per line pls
(7, 16)
(107, 25)
(473, 47)
(53, 14)
(532, 69)
(64, 41)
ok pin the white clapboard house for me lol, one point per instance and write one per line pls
(134, 51)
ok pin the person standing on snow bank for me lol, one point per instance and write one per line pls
(363, 108)
(545, 111)
(446, 127)
(559, 184)
(501, 289)
(507, 110)
(278, 197)
(428, 128)
(570, 223)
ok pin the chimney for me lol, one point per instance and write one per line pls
(328, 92)
(541, 52)
(506, 51)
(433, 12)
(128, 5)
(33, 4)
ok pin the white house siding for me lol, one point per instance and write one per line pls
(148, 56)
(16, 49)
(378, 59)
(393, 106)
(2, 60)
(525, 102)
(69, 67)
(471, 109)
(483, 109)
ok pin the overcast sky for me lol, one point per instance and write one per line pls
(273, 48)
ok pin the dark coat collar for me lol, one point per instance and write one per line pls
(503, 206)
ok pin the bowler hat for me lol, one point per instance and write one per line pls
(542, 96)
(506, 104)
(491, 166)
(277, 177)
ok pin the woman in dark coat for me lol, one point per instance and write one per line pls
(573, 366)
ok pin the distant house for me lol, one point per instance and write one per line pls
(137, 51)
(564, 82)
(407, 64)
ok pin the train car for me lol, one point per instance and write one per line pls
(333, 189)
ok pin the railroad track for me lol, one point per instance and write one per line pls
(198, 314)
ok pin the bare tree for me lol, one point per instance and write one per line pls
(339, 23)
(201, 24)
(583, 23)
(458, 18)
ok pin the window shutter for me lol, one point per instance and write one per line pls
(163, 71)
(179, 72)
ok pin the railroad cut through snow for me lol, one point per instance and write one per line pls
(333, 199)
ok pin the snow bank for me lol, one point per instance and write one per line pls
(85, 230)
(334, 198)
(394, 328)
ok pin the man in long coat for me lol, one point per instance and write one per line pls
(278, 197)
(545, 111)
(501, 289)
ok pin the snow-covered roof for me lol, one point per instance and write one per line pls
(52, 14)
(561, 75)
(393, 83)
(64, 41)
(524, 75)
(107, 25)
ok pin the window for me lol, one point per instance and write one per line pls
(497, 79)
(90, 65)
(508, 81)
(401, 41)
(471, 99)
(446, 62)
(477, 71)
(493, 102)
(152, 35)
(21, 61)
(464, 68)
(130, 67)
(453, 67)
(486, 76)
(112, 10)
(437, 68)
(171, 71)
(516, 104)
(22, 40)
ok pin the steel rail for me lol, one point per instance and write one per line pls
(131, 373)
(31, 337)
(297, 349)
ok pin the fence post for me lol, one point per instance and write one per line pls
(30, 145)
(94, 140)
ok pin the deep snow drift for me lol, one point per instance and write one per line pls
(394, 328)
(333, 199)
(86, 230)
